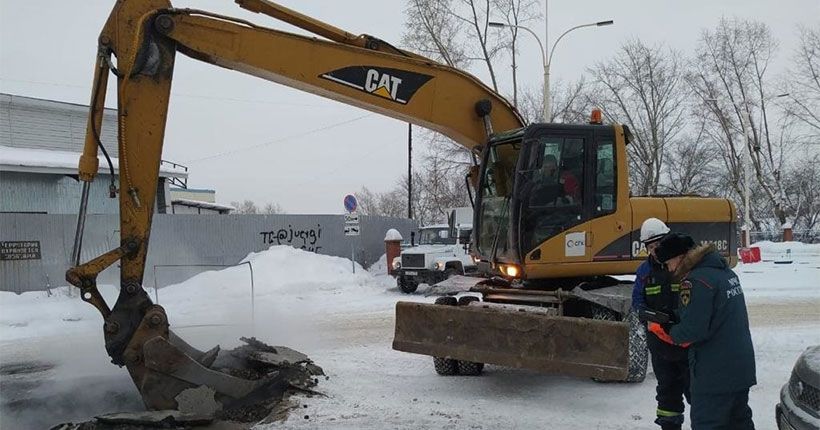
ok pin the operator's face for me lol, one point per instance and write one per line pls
(549, 168)
(652, 246)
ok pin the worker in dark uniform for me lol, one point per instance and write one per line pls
(712, 316)
(654, 292)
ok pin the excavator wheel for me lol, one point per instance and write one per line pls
(447, 301)
(448, 366)
(468, 368)
(466, 300)
(445, 366)
(638, 351)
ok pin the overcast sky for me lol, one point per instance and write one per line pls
(251, 139)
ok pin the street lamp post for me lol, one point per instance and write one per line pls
(546, 60)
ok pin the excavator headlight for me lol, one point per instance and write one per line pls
(510, 270)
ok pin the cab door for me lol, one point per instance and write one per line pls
(609, 212)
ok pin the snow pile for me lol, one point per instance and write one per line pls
(392, 234)
(289, 285)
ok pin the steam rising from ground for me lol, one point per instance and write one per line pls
(54, 364)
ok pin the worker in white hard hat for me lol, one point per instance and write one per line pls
(654, 294)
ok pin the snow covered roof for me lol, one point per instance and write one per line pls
(203, 205)
(16, 159)
(432, 226)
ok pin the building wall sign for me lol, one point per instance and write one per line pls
(20, 250)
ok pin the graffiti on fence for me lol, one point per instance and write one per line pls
(308, 239)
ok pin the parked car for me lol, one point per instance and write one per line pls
(799, 407)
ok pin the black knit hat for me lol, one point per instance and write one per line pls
(672, 245)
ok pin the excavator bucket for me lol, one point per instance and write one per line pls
(171, 374)
(508, 336)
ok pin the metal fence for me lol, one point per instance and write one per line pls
(180, 244)
(805, 236)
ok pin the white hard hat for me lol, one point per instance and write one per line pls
(653, 229)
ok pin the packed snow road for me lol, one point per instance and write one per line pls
(54, 367)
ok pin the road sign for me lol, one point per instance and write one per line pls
(350, 203)
(352, 218)
(351, 229)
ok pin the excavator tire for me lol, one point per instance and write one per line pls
(447, 301)
(466, 300)
(468, 368)
(638, 351)
(446, 366)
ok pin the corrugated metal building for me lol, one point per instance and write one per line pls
(40, 146)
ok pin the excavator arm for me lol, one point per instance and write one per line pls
(138, 45)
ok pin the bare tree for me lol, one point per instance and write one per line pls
(730, 80)
(570, 103)
(431, 31)
(453, 31)
(245, 207)
(803, 83)
(515, 13)
(439, 186)
(368, 202)
(272, 208)
(803, 185)
(690, 167)
(643, 87)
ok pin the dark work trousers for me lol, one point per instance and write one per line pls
(723, 411)
(671, 366)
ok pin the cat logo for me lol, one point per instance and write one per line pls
(391, 84)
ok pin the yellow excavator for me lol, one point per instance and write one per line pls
(553, 215)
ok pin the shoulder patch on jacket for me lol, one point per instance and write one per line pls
(685, 292)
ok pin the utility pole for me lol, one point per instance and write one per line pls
(409, 170)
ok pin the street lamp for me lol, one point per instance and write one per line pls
(546, 60)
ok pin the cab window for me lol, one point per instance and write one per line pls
(605, 179)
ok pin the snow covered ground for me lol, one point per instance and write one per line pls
(54, 367)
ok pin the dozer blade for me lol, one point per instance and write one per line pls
(514, 338)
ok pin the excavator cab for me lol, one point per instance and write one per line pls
(540, 182)
(554, 220)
